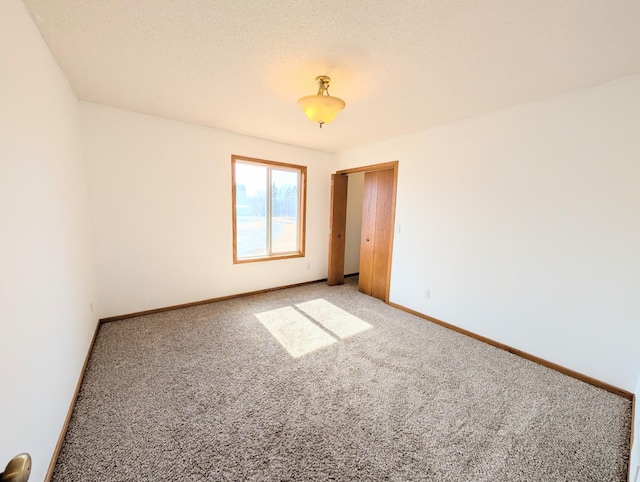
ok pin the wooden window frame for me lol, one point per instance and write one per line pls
(302, 208)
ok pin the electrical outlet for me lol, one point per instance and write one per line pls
(427, 293)
(308, 265)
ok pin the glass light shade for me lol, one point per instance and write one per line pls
(321, 108)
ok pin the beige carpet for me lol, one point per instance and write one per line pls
(319, 383)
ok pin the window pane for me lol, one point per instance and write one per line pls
(284, 211)
(251, 210)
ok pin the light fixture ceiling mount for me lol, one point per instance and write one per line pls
(322, 107)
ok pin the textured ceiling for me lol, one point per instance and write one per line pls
(241, 65)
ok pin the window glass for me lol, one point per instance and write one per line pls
(284, 206)
(251, 210)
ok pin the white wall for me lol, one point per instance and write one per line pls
(524, 223)
(46, 265)
(355, 191)
(160, 194)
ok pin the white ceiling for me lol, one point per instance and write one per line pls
(241, 65)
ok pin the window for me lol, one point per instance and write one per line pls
(268, 209)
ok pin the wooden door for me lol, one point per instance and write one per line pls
(383, 234)
(368, 232)
(337, 229)
(377, 233)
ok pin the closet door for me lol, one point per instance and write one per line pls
(368, 232)
(337, 229)
(377, 233)
(383, 234)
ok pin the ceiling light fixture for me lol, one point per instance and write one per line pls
(321, 108)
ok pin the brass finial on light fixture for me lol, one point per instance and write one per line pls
(321, 108)
(18, 469)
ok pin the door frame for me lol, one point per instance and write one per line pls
(337, 272)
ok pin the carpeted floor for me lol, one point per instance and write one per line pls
(282, 387)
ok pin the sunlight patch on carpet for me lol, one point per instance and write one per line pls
(298, 335)
(334, 319)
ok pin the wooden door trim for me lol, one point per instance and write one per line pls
(381, 167)
(373, 167)
(393, 225)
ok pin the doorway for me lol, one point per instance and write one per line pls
(378, 217)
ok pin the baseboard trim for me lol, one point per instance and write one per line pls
(65, 426)
(633, 423)
(554, 366)
(205, 302)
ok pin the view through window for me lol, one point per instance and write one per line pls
(269, 204)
